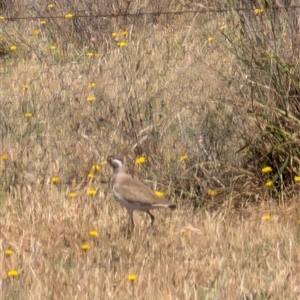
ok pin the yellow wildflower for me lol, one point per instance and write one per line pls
(223, 27)
(50, 5)
(266, 217)
(93, 233)
(12, 273)
(90, 98)
(297, 179)
(183, 157)
(90, 54)
(43, 22)
(91, 175)
(37, 31)
(187, 234)
(8, 252)
(52, 47)
(210, 38)
(4, 157)
(95, 167)
(266, 170)
(13, 47)
(69, 16)
(91, 192)
(159, 193)
(269, 183)
(26, 86)
(258, 11)
(212, 193)
(85, 247)
(92, 85)
(2, 18)
(54, 179)
(125, 33)
(72, 194)
(140, 160)
(132, 277)
(122, 44)
(28, 115)
(114, 34)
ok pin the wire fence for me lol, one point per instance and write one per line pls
(44, 14)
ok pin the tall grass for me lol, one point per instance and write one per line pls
(209, 99)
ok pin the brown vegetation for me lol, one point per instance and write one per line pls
(209, 99)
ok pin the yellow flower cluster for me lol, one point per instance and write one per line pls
(159, 193)
(69, 16)
(72, 194)
(4, 157)
(266, 217)
(121, 44)
(93, 233)
(212, 193)
(258, 11)
(183, 157)
(90, 98)
(297, 179)
(55, 179)
(8, 252)
(140, 160)
(132, 277)
(92, 85)
(93, 172)
(267, 170)
(124, 34)
(91, 192)
(85, 247)
(95, 167)
(269, 183)
(13, 273)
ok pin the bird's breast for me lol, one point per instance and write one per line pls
(119, 198)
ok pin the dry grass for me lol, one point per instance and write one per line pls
(186, 255)
(176, 89)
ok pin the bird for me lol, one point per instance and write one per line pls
(132, 194)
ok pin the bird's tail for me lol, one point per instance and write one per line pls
(172, 206)
(163, 205)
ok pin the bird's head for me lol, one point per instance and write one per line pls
(116, 162)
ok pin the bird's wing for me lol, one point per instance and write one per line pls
(127, 185)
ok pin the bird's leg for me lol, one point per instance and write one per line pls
(151, 216)
(130, 212)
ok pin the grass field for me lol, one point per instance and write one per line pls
(216, 121)
(186, 255)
